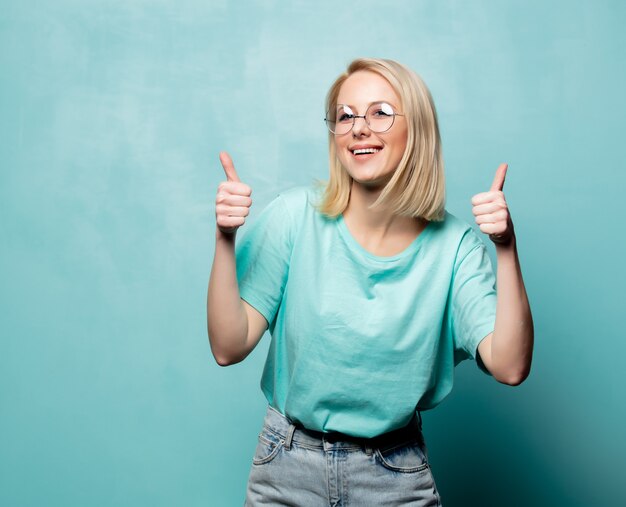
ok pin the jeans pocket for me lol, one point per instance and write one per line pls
(268, 447)
(408, 457)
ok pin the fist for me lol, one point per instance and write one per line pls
(491, 211)
(232, 204)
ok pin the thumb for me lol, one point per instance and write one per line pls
(498, 180)
(228, 166)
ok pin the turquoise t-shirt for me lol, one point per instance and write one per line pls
(359, 342)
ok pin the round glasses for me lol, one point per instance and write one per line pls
(379, 118)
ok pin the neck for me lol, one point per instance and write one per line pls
(378, 222)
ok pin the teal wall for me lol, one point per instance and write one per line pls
(112, 114)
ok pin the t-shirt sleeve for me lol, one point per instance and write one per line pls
(473, 297)
(262, 258)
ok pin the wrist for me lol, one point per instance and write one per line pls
(506, 246)
(225, 237)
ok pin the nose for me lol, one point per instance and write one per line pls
(360, 127)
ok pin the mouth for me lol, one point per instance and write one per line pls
(365, 152)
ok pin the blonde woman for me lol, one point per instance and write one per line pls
(372, 293)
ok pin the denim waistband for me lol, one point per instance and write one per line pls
(295, 432)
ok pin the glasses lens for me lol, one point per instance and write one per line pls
(340, 120)
(380, 116)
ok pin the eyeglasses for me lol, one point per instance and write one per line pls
(379, 118)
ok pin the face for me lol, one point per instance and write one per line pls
(372, 170)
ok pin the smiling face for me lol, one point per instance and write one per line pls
(370, 158)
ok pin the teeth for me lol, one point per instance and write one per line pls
(366, 150)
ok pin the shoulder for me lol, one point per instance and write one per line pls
(300, 199)
(452, 227)
(456, 234)
(296, 195)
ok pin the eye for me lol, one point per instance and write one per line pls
(345, 114)
(380, 113)
(345, 117)
(382, 110)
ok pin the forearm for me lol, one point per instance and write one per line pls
(227, 322)
(513, 336)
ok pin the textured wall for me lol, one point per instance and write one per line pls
(112, 114)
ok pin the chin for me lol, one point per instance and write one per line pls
(371, 183)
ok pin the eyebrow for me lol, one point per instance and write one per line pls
(374, 102)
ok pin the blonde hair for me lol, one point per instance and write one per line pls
(417, 187)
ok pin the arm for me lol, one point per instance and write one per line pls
(234, 327)
(507, 352)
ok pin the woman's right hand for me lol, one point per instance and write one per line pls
(232, 204)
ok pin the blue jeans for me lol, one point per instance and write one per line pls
(297, 467)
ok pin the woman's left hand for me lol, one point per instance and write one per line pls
(492, 213)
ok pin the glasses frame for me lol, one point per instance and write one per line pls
(364, 116)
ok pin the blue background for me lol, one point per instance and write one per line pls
(112, 115)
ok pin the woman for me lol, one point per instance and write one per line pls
(372, 293)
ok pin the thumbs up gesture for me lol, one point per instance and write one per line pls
(491, 211)
(232, 204)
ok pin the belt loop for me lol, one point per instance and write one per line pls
(419, 419)
(289, 436)
(368, 448)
